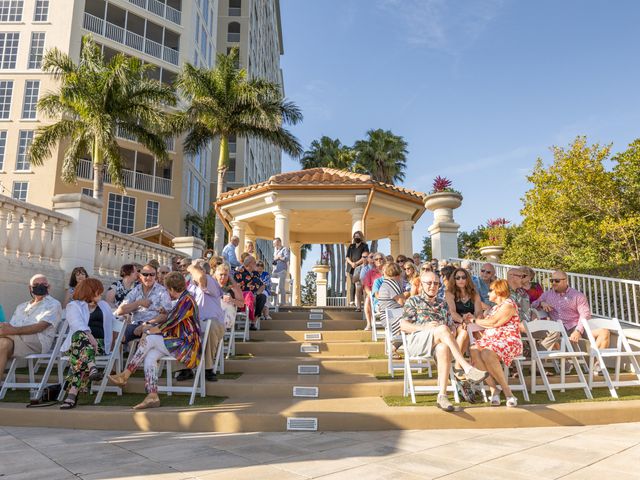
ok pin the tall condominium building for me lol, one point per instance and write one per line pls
(254, 27)
(163, 33)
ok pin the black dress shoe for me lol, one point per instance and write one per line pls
(253, 327)
(210, 376)
(183, 375)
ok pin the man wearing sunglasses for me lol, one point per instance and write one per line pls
(148, 302)
(428, 325)
(519, 294)
(482, 282)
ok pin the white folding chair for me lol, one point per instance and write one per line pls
(621, 350)
(199, 382)
(418, 363)
(273, 300)
(565, 353)
(52, 358)
(115, 357)
(392, 315)
(242, 324)
(377, 326)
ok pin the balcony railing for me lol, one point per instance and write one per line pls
(118, 34)
(160, 9)
(120, 133)
(135, 180)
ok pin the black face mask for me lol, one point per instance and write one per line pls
(357, 240)
(40, 289)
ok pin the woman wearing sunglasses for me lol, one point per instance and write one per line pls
(464, 304)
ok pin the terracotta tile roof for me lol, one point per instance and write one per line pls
(325, 177)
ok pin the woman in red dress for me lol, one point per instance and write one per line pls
(500, 342)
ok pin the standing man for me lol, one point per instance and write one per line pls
(353, 259)
(229, 252)
(281, 256)
(482, 282)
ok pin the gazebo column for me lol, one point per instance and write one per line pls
(394, 239)
(405, 234)
(282, 225)
(356, 219)
(239, 229)
(296, 271)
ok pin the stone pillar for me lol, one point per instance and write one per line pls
(192, 247)
(394, 240)
(321, 284)
(296, 272)
(405, 238)
(238, 230)
(282, 225)
(444, 230)
(78, 239)
(356, 219)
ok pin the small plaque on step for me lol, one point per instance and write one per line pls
(316, 316)
(313, 336)
(308, 369)
(309, 348)
(309, 392)
(302, 424)
(316, 310)
(314, 325)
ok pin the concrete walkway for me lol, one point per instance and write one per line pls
(601, 452)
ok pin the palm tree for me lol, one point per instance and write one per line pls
(382, 155)
(328, 152)
(205, 224)
(95, 102)
(222, 102)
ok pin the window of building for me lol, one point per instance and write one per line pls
(235, 8)
(121, 213)
(20, 191)
(8, 49)
(31, 92)
(24, 142)
(153, 209)
(41, 12)
(6, 91)
(36, 50)
(11, 10)
(233, 32)
(88, 192)
(3, 145)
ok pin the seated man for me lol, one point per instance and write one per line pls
(429, 328)
(148, 301)
(482, 282)
(568, 305)
(252, 288)
(32, 328)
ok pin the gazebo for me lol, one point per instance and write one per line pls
(321, 205)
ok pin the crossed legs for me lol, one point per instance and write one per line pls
(488, 360)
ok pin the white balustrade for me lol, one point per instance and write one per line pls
(25, 235)
(154, 6)
(153, 48)
(93, 23)
(134, 40)
(170, 55)
(114, 32)
(173, 15)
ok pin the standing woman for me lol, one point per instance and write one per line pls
(90, 334)
(119, 290)
(464, 304)
(77, 275)
(353, 259)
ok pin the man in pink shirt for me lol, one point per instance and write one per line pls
(568, 305)
(367, 283)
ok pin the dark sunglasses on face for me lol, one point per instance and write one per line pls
(430, 284)
(461, 278)
(486, 271)
(378, 259)
(148, 274)
(557, 280)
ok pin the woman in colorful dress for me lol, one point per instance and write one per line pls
(90, 333)
(500, 343)
(178, 336)
(77, 275)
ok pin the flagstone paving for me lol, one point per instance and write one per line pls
(591, 452)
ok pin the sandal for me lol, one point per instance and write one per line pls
(69, 402)
(459, 374)
(512, 402)
(495, 400)
(94, 374)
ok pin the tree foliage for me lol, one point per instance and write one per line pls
(579, 215)
(308, 292)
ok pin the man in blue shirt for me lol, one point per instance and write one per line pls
(487, 275)
(229, 252)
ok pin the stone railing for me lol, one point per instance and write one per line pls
(115, 249)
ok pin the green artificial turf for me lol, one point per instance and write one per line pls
(400, 376)
(539, 398)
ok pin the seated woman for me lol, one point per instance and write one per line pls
(266, 280)
(178, 336)
(90, 334)
(500, 343)
(410, 276)
(391, 295)
(119, 290)
(77, 275)
(464, 304)
(232, 298)
(533, 288)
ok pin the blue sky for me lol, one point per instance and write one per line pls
(478, 88)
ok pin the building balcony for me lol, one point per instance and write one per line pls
(134, 180)
(126, 37)
(170, 141)
(160, 9)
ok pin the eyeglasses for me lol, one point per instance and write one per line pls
(431, 284)
(519, 275)
(557, 280)
(408, 268)
(486, 271)
(148, 274)
(461, 278)
(163, 273)
(378, 259)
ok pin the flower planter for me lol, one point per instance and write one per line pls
(493, 253)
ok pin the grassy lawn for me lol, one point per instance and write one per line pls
(140, 374)
(126, 400)
(539, 398)
(400, 376)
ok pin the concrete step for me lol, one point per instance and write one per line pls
(301, 324)
(299, 335)
(289, 365)
(262, 349)
(327, 315)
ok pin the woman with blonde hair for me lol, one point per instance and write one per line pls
(412, 277)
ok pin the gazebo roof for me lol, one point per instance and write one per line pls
(320, 178)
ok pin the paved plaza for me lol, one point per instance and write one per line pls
(592, 452)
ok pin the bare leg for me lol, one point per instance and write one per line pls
(477, 361)
(442, 334)
(443, 358)
(602, 337)
(492, 362)
(368, 312)
(6, 350)
(462, 339)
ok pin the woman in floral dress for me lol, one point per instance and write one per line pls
(500, 343)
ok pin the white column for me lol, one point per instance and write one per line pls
(239, 229)
(356, 219)
(321, 284)
(282, 225)
(192, 247)
(405, 238)
(444, 230)
(296, 272)
(394, 240)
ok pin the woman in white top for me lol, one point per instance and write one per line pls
(90, 333)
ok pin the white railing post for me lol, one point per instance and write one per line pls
(3, 227)
(36, 238)
(13, 240)
(47, 239)
(25, 236)
(57, 243)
